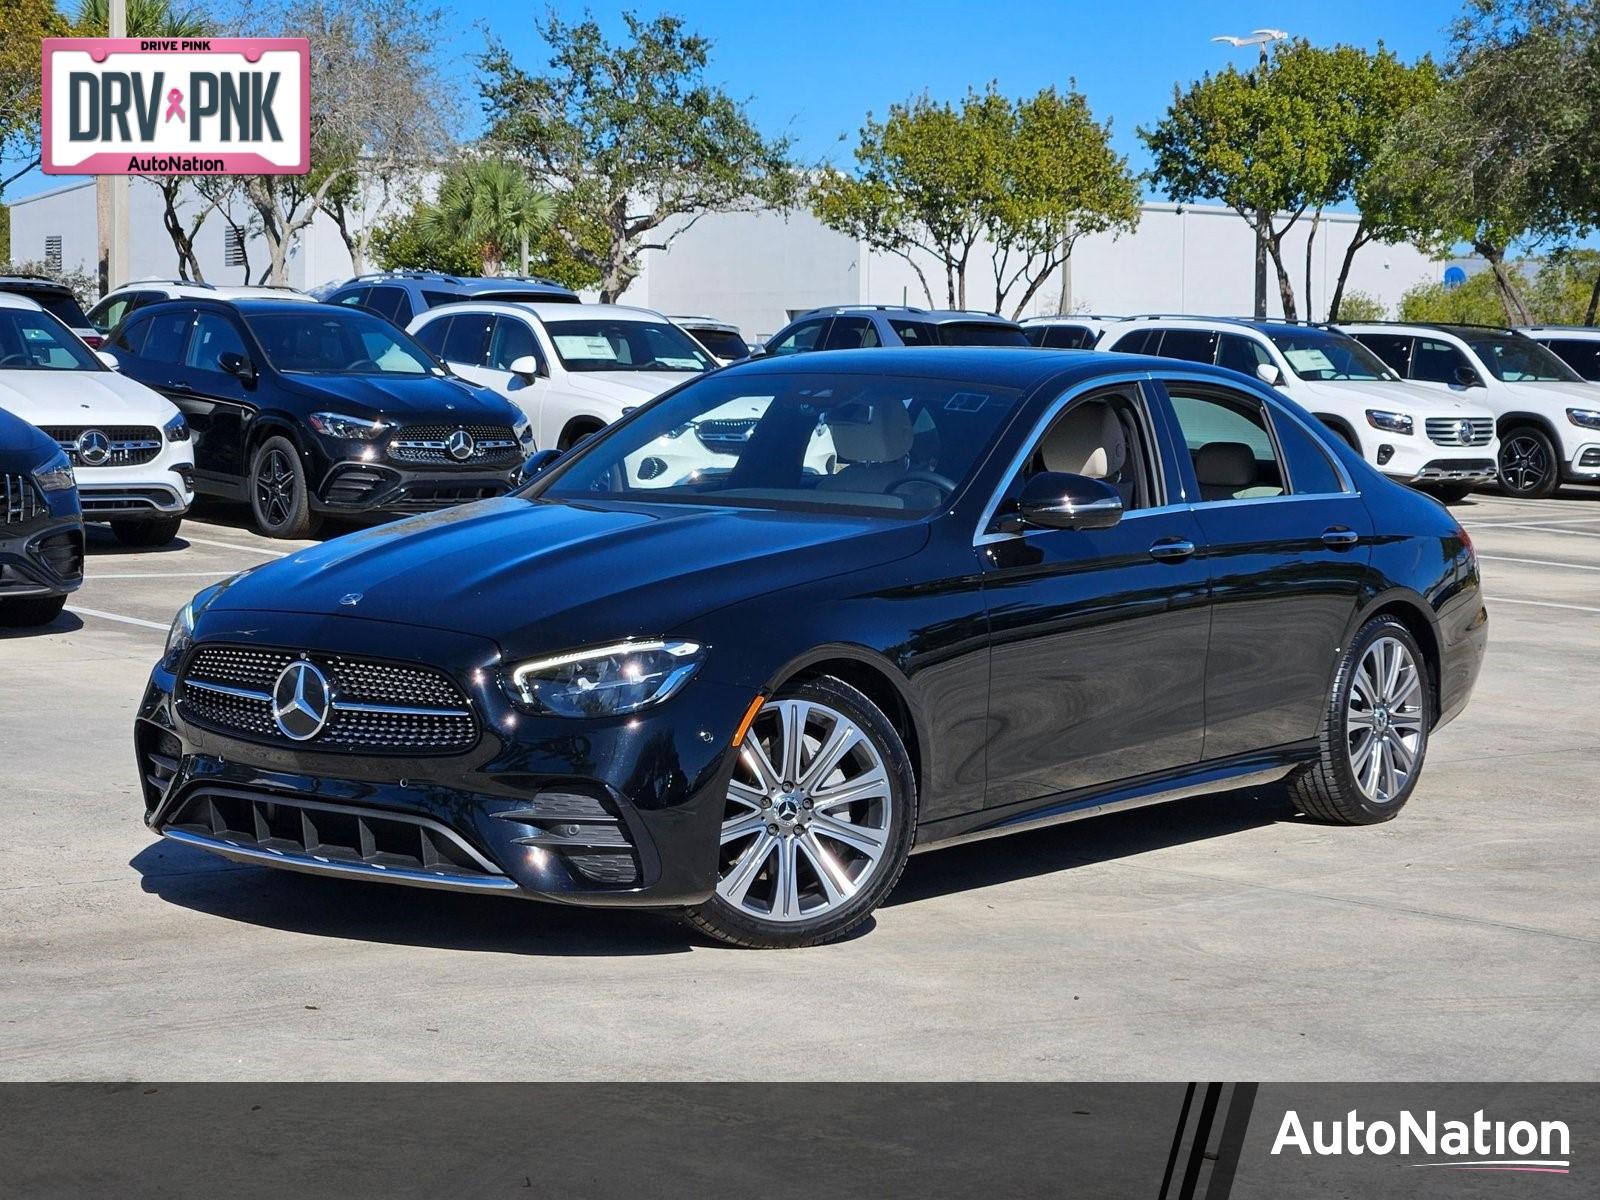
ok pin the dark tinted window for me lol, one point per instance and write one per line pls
(1141, 341)
(387, 301)
(1069, 337)
(852, 333)
(356, 297)
(435, 299)
(1393, 348)
(61, 305)
(467, 344)
(799, 337)
(432, 336)
(340, 341)
(724, 343)
(1436, 362)
(980, 333)
(131, 335)
(1239, 353)
(1581, 354)
(169, 334)
(214, 335)
(912, 333)
(1521, 360)
(1191, 345)
(1228, 442)
(512, 340)
(1311, 471)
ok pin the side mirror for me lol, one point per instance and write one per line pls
(1057, 500)
(539, 460)
(1269, 374)
(1467, 377)
(757, 351)
(109, 359)
(237, 365)
(527, 366)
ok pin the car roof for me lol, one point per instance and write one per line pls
(466, 283)
(1566, 331)
(32, 283)
(1411, 327)
(937, 316)
(703, 323)
(13, 300)
(557, 311)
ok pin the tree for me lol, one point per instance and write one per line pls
(25, 23)
(1475, 302)
(631, 138)
(493, 207)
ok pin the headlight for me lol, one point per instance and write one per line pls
(1589, 418)
(525, 435)
(607, 681)
(335, 425)
(181, 636)
(1390, 422)
(56, 475)
(177, 429)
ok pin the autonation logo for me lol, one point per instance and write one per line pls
(1476, 1145)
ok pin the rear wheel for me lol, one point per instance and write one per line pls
(1529, 464)
(1374, 732)
(146, 533)
(575, 432)
(817, 823)
(1449, 493)
(32, 610)
(280, 501)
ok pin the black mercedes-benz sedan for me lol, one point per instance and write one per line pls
(41, 526)
(1024, 588)
(303, 410)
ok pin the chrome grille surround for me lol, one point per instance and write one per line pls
(1447, 431)
(23, 500)
(491, 445)
(727, 435)
(127, 445)
(376, 707)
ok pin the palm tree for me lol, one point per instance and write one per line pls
(491, 205)
(146, 18)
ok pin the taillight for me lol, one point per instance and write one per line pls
(93, 340)
(1466, 542)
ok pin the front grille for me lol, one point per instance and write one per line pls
(129, 445)
(492, 445)
(1447, 431)
(429, 497)
(726, 436)
(376, 707)
(23, 500)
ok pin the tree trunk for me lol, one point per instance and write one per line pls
(1285, 284)
(1360, 239)
(1511, 301)
(523, 255)
(1263, 223)
(1594, 301)
(1311, 241)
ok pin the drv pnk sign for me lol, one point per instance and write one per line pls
(177, 106)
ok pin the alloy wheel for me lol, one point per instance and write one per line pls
(1524, 465)
(807, 822)
(1383, 720)
(275, 487)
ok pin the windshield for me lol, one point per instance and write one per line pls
(607, 344)
(1326, 357)
(724, 343)
(337, 341)
(36, 341)
(794, 440)
(1522, 360)
(980, 333)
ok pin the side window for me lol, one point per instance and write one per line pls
(800, 338)
(432, 335)
(168, 335)
(1069, 337)
(1581, 354)
(130, 338)
(1102, 437)
(435, 299)
(1311, 469)
(512, 340)
(1436, 362)
(1140, 341)
(852, 333)
(355, 297)
(105, 315)
(1393, 348)
(1241, 354)
(403, 312)
(912, 333)
(387, 301)
(1228, 442)
(467, 343)
(1191, 345)
(214, 335)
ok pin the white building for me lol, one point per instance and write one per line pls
(759, 269)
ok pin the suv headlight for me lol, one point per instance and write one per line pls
(1589, 418)
(56, 475)
(177, 429)
(524, 435)
(336, 425)
(1389, 422)
(606, 681)
(180, 637)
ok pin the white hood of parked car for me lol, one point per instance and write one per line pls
(1391, 396)
(1563, 392)
(626, 387)
(82, 398)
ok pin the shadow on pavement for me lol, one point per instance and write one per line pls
(67, 622)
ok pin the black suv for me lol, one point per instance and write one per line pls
(861, 326)
(399, 296)
(302, 410)
(55, 298)
(41, 528)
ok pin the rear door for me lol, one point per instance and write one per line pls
(222, 407)
(800, 337)
(852, 333)
(1286, 546)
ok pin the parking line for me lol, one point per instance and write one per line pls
(184, 575)
(1520, 522)
(1545, 529)
(200, 541)
(1541, 604)
(159, 626)
(1538, 562)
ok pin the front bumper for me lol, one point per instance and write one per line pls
(161, 488)
(1584, 464)
(373, 487)
(624, 811)
(41, 558)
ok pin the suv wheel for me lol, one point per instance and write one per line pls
(146, 533)
(1529, 464)
(818, 821)
(1374, 732)
(33, 610)
(280, 501)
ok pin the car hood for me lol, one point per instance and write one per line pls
(82, 398)
(1586, 395)
(540, 576)
(626, 387)
(1394, 396)
(22, 447)
(406, 396)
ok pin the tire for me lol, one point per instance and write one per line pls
(1344, 786)
(1450, 493)
(1530, 466)
(147, 533)
(32, 610)
(576, 431)
(843, 855)
(280, 501)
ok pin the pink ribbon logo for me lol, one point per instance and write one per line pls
(175, 105)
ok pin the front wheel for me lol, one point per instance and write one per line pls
(280, 501)
(817, 823)
(1374, 732)
(1529, 465)
(31, 610)
(157, 532)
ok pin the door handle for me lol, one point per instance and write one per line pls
(1338, 535)
(180, 386)
(1172, 549)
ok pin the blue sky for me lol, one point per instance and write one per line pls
(815, 70)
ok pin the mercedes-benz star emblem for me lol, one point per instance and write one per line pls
(94, 448)
(1464, 432)
(350, 599)
(301, 700)
(460, 445)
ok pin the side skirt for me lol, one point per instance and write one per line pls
(1245, 770)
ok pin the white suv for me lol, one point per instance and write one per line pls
(1443, 444)
(1548, 418)
(129, 447)
(119, 302)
